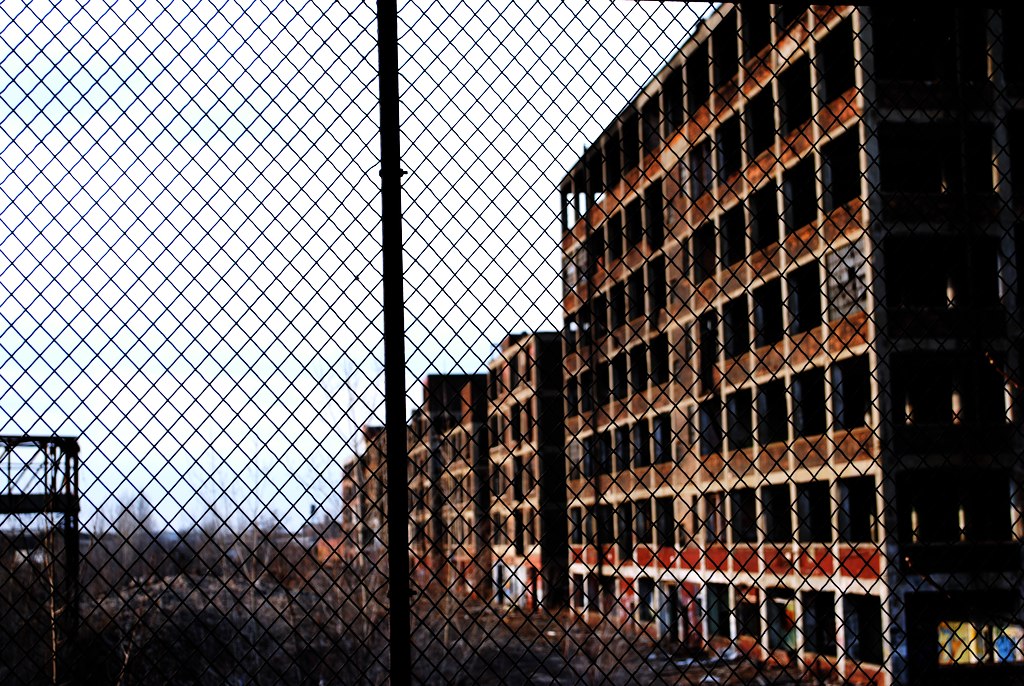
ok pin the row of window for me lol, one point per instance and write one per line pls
(641, 294)
(631, 371)
(521, 530)
(772, 514)
(763, 413)
(621, 448)
(519, 369)
(704, 69)
(520, 426)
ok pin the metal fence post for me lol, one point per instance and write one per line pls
(394, 343)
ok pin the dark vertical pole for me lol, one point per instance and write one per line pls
(394, 343)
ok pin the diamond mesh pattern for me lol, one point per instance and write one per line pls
(711, 331)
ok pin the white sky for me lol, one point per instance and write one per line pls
(189, 221)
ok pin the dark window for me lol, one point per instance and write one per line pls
(772, 417)
(809, 403)
(778, 523)
(925, 158)
(640, 438)
(789, 12)
(605, 525)
(921, 46)
(743, 518)
(801, 195)
(954, 506)
(835, 53)
(614, 236)
(638, 368)
(733, 229)
(805, 298)
(795, 95)
(738, 411)
(595, 174)
(708, 349)
(736, 323)
(698, 84)
(730, 148)
(665, 521)
(576, 525)
(842, 170)
(672, 100)
(718, 609)
(780, 620)
(645, 591)
(725, 54)
(710, 426)
(630, 142)
(613, 159)
(862, 626)
(757, 23)
(701, 173)
(714, 518)
(659, 360)
(642, 522)
(851, 392)
(634, 223)
(622, 449)
(635, 285)
(620, 380)
(761, 122)
(601, 390)
(704, 257)
(587, 391)
(765, 215)
(819, 622)
(857, 509)
(662, 433)
(520, 533)
(748, 614)
(625, 524)
(656, 284)
(599, 307)
(572, 400)
(768, 328)
(653, 202)
(617, 306)
(603, 452)
(814, 512)
(651, 124)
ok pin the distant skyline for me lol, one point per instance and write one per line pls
(190, 247)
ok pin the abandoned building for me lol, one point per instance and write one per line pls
(527, 471)
(790, 298)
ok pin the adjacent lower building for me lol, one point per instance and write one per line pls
(793, 402)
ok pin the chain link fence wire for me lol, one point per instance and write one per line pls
(712, 344)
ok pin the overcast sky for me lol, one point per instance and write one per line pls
(190, 269)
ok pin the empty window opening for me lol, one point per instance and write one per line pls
(933, 272)
(625, 529)
(760, 115)
(933, 47)
(635, 286)
(614, 236)
(743, 515)
(662, 434)
(851, 392)
(842, 170)
(748, 616)
(714, 518)
(640, 439)
(630, 142)
(634, 223)
(789, 12)
(599, 309)
(708, 349)
(836, 60)
(601, 389)
(819, 622)
(656, 284)
(652, 126)
(947, 388)
(782, 631)
(698, 82)
(814, 512)
(710, 426)
(620, 380)
(638, 368)
(800, 195)
(672, 100)
(621, 449)
(645, 593)
(764, 210)
(772, 416)
(795, 95)
(757, 31)
(935, 158)
(659, 360)
(595, 174)
(725, 50)
(739, 409)
(603, 447)
(736, 327)
(655, 229)
(576, 525)
(857, 509)
(862, 626)
(605, 525)
(809, 403)
(617, 306)
(768, 327)
(733, 230)
(613, 158)
(955, 506)
(665, 521)
(587, 391)
(805, 298)
(701, 172)
(566, 202)
(778, 513)
(642, 522)
(718, 609)
(704, 256)
(730, 149)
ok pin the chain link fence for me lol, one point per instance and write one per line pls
(493, 342)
